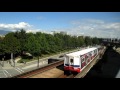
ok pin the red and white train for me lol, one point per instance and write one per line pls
(77, 61)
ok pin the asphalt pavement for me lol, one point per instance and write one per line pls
(8, 71)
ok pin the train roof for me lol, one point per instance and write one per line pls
(81, 52)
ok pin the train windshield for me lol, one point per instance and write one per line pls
(71, 61)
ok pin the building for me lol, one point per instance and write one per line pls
(61, 32)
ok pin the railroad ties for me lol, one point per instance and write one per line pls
(40, 70)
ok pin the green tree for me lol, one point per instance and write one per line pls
(60, 40)
(33, 46)
(1, 46)
(45, 48)
(58, 43)
(51, 43)
(21, 36)
(67, 41)
(81, 40)
(11, 45)
(88, 41)
(95, 40)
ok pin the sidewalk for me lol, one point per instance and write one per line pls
(8, 66)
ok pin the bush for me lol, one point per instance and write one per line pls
(27, 57)
(20, 61)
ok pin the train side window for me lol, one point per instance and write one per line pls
(90, 53)
(95, 51)
(82, 59)
(86, 58)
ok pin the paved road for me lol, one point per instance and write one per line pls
(9, 71)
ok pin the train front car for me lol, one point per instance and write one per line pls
(71, 64)
(75, 62)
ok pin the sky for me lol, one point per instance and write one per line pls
(94, 24)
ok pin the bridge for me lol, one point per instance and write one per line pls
(111, 42)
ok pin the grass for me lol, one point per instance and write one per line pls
(43, 56)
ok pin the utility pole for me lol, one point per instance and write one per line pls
(38, 62)
(3, 61)
(14, 61)
(11, 59)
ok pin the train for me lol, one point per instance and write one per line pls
(77, 61)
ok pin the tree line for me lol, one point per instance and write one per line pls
(42, 43)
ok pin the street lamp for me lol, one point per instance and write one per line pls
(38, 62)
(3, 61)
(14, 61)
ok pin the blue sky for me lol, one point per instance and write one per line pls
(99, 24)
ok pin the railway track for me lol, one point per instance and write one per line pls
(39, 70)
(67, 76)
(36, 73)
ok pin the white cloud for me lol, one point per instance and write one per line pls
(14, 27)
(21, 25)
(86, 27)
(37, 30)
(93, 27)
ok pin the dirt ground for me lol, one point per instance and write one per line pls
(52, 73)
